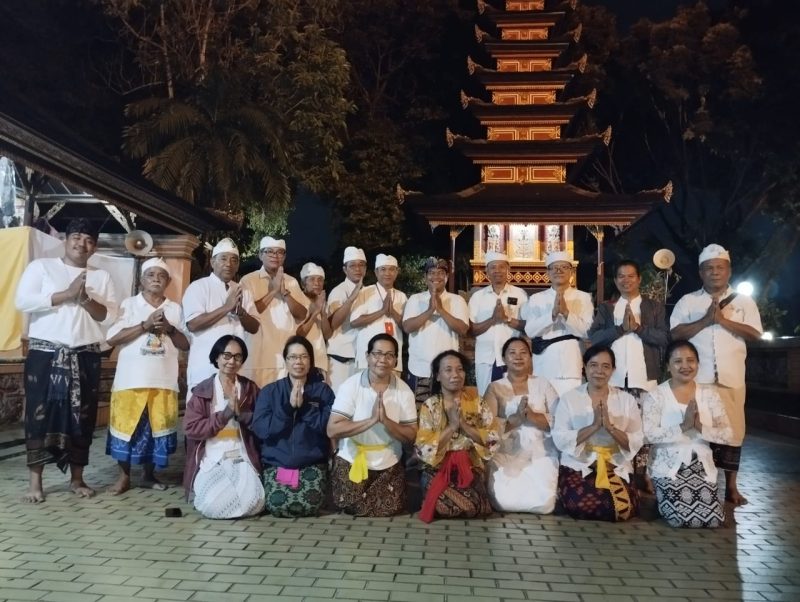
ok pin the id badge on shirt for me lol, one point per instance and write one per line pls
(233, 454)
(388, 328)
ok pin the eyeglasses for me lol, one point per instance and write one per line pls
(237, 357)
(560, 269)
(275, 252)
(380, 355)
(298, 358)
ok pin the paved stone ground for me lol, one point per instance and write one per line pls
(124, 548)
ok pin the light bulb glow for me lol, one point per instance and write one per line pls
(745, 288)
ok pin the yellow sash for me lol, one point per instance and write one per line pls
(603, 459)
(127, 407)
(358, 471)
(229, 432)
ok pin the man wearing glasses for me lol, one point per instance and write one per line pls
(278, 310)
(556, 320)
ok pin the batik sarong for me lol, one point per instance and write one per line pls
(455, 501)
(306, 499)
(61, 391)
(689, 500)
(726, 457)
(582, 499)
(142, 447)
(383, 493)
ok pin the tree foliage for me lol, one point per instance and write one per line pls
(245, 99)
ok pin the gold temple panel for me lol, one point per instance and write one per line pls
(523, 174)
(551, 132)
(525, 5)
(528, 33)
(528, 97)
(526, 65)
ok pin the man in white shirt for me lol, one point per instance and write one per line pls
(215, 306)
(341, 302)
(636, 330)
(380, 309)
(434, 321)
(70, 307)
(278, 309)
(315, 326)
(557, 320)
(494, 314)
(719, 322)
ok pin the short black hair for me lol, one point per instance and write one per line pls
(436, 386)
(299, 340)
(81, 225)
(220, 345)
(382, 336)
(597, 350)
(629, 262)
(507, 344)
(678, 344)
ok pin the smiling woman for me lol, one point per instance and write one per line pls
(457, 433)
(598, 429)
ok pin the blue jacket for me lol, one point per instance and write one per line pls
(293, 437)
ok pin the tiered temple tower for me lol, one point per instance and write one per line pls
(526, 203)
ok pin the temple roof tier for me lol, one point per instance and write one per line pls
(527, 152)
(533, 18)
(558, 113)
(533, 203)
(519, 80)
(527, 49)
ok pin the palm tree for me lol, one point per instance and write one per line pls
(215, 147)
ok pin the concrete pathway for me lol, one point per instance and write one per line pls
(124, 548)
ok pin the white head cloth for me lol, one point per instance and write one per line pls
(311, 269)
(713, 252)
(354, 254)
(272, 243)
(156, 262)
(557, 256)
(226, 245)
(383, 260)
(495, 256)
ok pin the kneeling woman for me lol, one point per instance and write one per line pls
(373, 415)
(598, 429)
(222, 464)
(290, 420)
(523, 474)
(457, 432)
(680, 418)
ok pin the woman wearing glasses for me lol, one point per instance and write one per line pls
(373, 415)
(290, 419)
(222, 463)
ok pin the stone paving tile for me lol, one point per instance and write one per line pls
(109, 549)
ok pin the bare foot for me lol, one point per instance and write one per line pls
(122, 485)
(150, 482)
(33, 496)
(736, 498)
(81, 489)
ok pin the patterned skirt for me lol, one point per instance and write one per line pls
(285, 502)
(689, 500)
(582, 500)
(382, 494)
(457, 502)
(143, 447)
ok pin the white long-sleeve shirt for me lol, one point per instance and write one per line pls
(574, 412)
(672, 447)
(563, 359)
(69, 323)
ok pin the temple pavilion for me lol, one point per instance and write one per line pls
(527, 201)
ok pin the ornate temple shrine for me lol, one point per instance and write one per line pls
(527, 203)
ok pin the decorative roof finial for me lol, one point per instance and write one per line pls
(400, 194)
(464, 100)
(667, 190)
(576, 33)
(471, 65)
(481, 6)
(480, 34)
(450, 137)
(606, 135)
(582, 62)
(591, 98)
